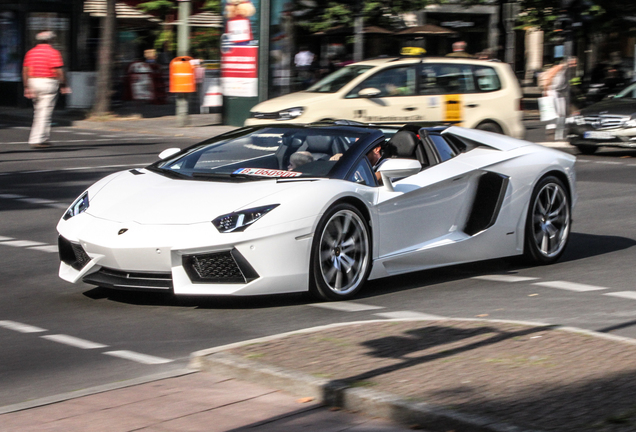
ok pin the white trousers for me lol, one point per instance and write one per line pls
(44, 92)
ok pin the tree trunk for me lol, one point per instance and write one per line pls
(105, 63)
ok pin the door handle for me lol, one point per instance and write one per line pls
(409, 108)
(472, 105)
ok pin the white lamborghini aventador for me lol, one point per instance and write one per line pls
(289, 208)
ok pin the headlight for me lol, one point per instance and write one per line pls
(240, 220)
(79, 206)
(290, 113)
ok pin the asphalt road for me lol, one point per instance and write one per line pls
(58, 337)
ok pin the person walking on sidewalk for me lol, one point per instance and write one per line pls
(42, 76)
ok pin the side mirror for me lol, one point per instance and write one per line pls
(398, 168)
(369, 92)
(168, 152)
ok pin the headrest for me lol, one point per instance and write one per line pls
(402, 144)
(319, 144)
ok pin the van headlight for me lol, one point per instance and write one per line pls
(290, 113)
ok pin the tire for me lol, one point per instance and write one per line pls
(490, 127)
(340, 254)
(587, 149)
(548, 222)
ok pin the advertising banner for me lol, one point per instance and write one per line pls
(239, 49)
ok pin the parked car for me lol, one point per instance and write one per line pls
(609, 123)
(239, 214)
(464, 92)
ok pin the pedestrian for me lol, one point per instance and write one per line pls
(42, 76)
(459, 50)
(557, 86)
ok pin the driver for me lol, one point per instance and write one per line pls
(299, 158)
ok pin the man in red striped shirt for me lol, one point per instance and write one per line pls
(42, 75)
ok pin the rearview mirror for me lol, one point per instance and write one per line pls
(169, 152)
(398, 168)
(369, 92)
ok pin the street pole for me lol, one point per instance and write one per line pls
(183, 47)
(358, 49)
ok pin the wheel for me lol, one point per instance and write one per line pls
(490, 127)
(548, 222)
(587, 149)
(341, 254)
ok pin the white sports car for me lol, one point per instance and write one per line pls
(289, 208)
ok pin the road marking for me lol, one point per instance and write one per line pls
(12, 196)
(570, 286)
(623, 294)
(407, 315)
(46, 248)
(504, 278)
(36, 201)
(346, 306)
(3, 239)
(139, 358)
(22, 243)
(19, 327)
(73, 341)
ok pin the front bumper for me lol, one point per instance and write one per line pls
(185, 259)
(608, 137)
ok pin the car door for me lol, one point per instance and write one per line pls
(426, 210)
(396, 100)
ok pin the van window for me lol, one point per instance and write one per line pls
(440, 78)
(487, 79)
(397, 81)
(335, 81)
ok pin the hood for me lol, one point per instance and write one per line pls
(292, 100)
(619, 106)
(152, 199)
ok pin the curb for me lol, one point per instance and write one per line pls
(49, 400)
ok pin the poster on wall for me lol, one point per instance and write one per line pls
(239, 48)
(10, 57)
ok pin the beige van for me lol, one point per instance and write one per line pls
(471, 93)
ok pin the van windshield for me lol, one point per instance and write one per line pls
(335, 81)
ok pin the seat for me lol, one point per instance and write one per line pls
(320, 146)
(406, 145)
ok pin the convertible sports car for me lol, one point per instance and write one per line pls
(291, 208)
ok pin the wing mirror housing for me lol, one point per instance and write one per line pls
(169, 152)
(398, 168)
(369, 92)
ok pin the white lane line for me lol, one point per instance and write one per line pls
(407, 315)
(22, 243)
(3, 239)
(12, 196)
(36, 201)
(623, 294)
(46, 248)
(345, 306)
(608, 163)
(570, 286)
(139, 358)
(19, 327)
(73, 341)
(505, 278)
(84, 133)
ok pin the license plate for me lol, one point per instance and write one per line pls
(598, 135)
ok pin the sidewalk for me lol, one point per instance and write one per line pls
(436, 375)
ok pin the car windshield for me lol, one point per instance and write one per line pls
(628, 92)
(262, 153)
(335, 81)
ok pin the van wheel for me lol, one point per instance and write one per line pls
(587, 149)
(490, 127)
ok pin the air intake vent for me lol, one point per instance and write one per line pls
(219, 267)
